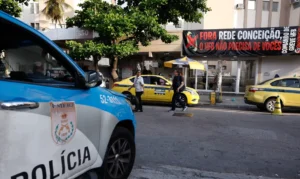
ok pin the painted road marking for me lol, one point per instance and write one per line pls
(183, 114)
(172, 172)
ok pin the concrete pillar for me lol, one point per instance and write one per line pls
(245, 13)
(259, 76)
(238, 77)
(219, 82)
(185, 70)
(256, 72)
(270, 13)
(196, 79)
(285, 10)
(258, 16)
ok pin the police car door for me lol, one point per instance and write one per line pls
(43, 127)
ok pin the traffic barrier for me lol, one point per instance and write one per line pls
(277, 110)
(213, 98)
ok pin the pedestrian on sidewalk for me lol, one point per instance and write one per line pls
(138, 84)
(177, 86)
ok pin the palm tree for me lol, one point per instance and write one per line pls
(55, 9)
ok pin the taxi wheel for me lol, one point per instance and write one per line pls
(120, 155)
(181, 98)
(270, 104)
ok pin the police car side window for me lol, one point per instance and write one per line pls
(31, 63)
(25, 60)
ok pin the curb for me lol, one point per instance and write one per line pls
(223, 94)
(220, 106)
(227, 106)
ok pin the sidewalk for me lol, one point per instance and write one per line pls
(228, 101)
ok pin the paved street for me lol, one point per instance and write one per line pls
(216, 143)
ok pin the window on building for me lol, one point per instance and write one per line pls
(212, 67)
(179, 25)
(251, 4)
(37, 26)
(224, 67)
(266, 5)
(275, 6)
(37, 8)
(296, 5)
(32, 8)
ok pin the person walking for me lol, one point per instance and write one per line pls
(138, 84)
(177, 86)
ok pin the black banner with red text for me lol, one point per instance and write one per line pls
(242, 42)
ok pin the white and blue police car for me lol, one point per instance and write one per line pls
(55, 120)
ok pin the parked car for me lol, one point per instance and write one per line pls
(264, 94)
(53, 127)
(157, 90)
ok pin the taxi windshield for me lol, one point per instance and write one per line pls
(264, 82)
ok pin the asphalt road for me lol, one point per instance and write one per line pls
(216, 144)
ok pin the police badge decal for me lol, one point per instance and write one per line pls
(63, 121)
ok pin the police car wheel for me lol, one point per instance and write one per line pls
(120, 155)
(183, 99)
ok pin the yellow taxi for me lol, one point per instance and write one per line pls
(264, 94)
(156, 89)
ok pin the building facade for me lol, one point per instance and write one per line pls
(226, 14)
(233, 14)
(32, 14)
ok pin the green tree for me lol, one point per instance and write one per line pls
(121, 30)
(170, 10)
(55, 9)
(82, 51)
(12, 7)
